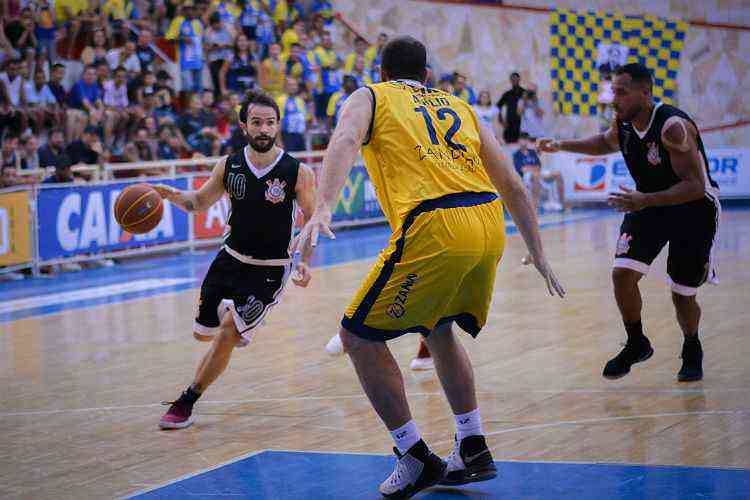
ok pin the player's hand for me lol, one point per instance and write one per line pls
(548, 145)
(553, 285)
(166, 192)
(628, 200)
(301, 276)
(319, 222)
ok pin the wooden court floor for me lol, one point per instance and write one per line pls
(81, 388)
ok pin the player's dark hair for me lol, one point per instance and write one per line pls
(256, 97)
(405, 57)
(638, 73)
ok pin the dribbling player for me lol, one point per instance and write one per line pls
(249, 273)
(675, 201)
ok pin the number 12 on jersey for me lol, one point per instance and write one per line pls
(442, 114)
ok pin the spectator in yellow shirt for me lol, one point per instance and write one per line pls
(360, 49)
(272, 72)
(291, 36)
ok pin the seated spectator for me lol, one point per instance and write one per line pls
(239, 72)
(146, 84)
(531, 114)
(11, 119)
(337, 100)
(164, 96)
(462, 90)
(374, 55)
(446, 84)
(272, 72)
(227, 12)
(297, 11)
(360, 73)
(41, 104)
(13, 80)
(85, 104)
(118, 114)
(87, 150)
(73, 15)
(53, 153)
(249, 15)
(265, 34)
(126, 57)
(487, 112)
(145, 53)
(57, 75)
(218, 48)
(63, 173)
(530, 168)
(360, 49)
(21, 32)
(291, 36)
(198, 128)
(98, 48)
(9, 177)
(293, 117)
(142, 148)
(10, 152)
(171, 144)
(294, 65)
(29, 153)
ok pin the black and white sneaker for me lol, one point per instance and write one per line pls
(635, 351)
(415, 470)
(470, 462)
(692, 361)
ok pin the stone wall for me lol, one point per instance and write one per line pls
(487, 43)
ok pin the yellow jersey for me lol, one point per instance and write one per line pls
(423, 144)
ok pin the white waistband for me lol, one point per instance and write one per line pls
(256, 262)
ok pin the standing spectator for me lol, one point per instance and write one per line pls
(294, 65)
(360, 51)
(57, 75)
(126, 57)
(98, 48)
(228, 13)
(249, 16)
(189, 32)
(360, 73)
(116, 105)
(41, 105)
(486, 112)
(53, 153)
(328, 62)
(219, 49)
(605, 98)
(30, 153)
(531, 114)
(291, 36)
(85, 103)
(71, 14)
(322, 11)
(277, 10)
(265, 34)
(337, 100)
(293, 116)
(512, 121)
(238, 74)
(145, 53)
(46, 31)
(272, 72)
(446, 84)
(296, 11)
(87, 150)
(13, 80)
(374, 55)
(528, 166)
(462, 90)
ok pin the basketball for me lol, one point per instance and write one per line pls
(138, 209)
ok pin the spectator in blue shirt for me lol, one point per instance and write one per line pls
(85, 104)
(530, 168)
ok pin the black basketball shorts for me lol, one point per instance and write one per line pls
(690, 229)
(247, 291)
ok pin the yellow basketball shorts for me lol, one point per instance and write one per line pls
(438, 267)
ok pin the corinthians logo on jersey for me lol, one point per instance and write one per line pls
(653, 154)
(275, 192)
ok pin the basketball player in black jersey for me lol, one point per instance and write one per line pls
(675, 202)
(249, 273)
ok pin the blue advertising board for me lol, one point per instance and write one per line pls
(79, 219)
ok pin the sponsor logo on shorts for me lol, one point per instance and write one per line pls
(398, 307)
(251, 310)
(623, 244)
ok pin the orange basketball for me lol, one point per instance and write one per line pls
(138, 209)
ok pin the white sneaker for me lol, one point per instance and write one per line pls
(335, 347)
(70, 267)
(411, 474)
(422, 364)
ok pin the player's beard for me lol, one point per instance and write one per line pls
(261, 143)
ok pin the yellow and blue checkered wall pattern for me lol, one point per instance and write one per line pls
(575, 37)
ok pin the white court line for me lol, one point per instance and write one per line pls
(362, 396)
(82, 294)
(192, 474)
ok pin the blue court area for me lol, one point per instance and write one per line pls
(282, 475)
(143, 277)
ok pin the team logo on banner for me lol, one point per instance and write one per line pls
(591, 175)
(275, 192)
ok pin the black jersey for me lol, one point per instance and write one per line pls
(263, 206)
(646, 157)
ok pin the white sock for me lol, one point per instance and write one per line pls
(406, 436)
(468, 424)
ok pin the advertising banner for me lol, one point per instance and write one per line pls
(211, 223)
(15, 228)
(591, 178)
(79, 219)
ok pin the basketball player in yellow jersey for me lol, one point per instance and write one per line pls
(437, 174)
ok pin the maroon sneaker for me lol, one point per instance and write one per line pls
(178, 416)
